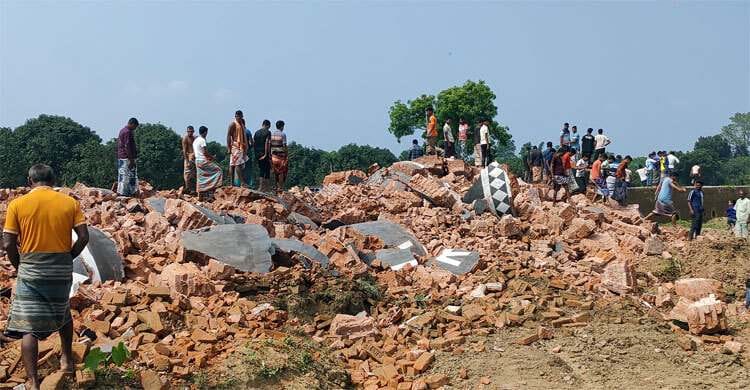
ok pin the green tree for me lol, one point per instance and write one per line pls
(360, 157)
(715, 145)
(93, 165)
(307, 166)
(159, 155)
(11, 168)
(410, 116)
(736, 171)
(737, 132)
(51, 140)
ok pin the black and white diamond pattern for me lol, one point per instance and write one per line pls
(496, 188)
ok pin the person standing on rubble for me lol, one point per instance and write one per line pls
(600, 143)
(127, 153)
(188, 161)
(209, 173)
(432, 132)
(450, 141)
(560, 178)
(38, 242)
(484, 142)
(565, 138)
(582, 173)
(742, 211)
(664, 205)
(536, 163)
(416, 151)
(262, 148)
(237, 145)
(587, 143)
(547, 156)
(620, 193)
(279, 155)
(575, 138)
(695, 204)
(463, 135)
(598, 177)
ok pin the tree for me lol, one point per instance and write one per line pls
(307, 166)
(406, 118)
(159, 155)
(93, 165)
(715, 145)
(51, 140)
(360, 157)
(12, 170)
(737, 132)
(736, 171)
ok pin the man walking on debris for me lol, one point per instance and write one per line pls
(262, 148)
(587, 144)
(695, 204)
(664, 204)
(742, 210)
(209, 174)
(188, 161)
(600, 143)
(536, 163)
(450, 142)
(237, 144)
(431, 131)
(279, 155)
(38, 243)
(127, 153)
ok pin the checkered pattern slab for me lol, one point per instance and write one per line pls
(497, 188)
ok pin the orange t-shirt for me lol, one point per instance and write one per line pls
(596, 170)
(432, 126)
(43, 220)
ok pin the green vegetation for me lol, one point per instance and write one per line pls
(118, 356)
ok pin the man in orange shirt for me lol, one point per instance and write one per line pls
(37, 240)
(431, 131)
(600, 184)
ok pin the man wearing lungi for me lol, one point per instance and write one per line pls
(188, 160)
(37, 240)
(127, 153)
(279, 156)
(209, 174)
(237, 144)
(664, 204)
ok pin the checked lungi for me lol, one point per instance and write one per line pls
(209, 176)
(127, 178)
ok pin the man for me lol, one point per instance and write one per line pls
(237, 149)
(188, 161)
(37, 240)
(651, 164)
(695, 204)
(127, 153)
(672, 161)
(621, 181)
(484, 142)
(547, 156)
(565, 138)
(742, 210)
(450, 141)
(416, 151)
(731, 216)
(587, 143)
(598, 179)
(262, 148)
(575, 138)
(279, 155)
(463, 136)
(536, 163)
(695, 173)
(662, 155)
(600, 143)
(559, 178)
(569, 162)
(431, 131)
(209, 174)
(582, 173)
(664, 205)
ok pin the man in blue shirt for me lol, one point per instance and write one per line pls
(416, 151)
(575, 138)
(664, 205)
(695, 203)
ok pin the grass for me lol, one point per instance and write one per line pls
(669, 270)
(716, 223)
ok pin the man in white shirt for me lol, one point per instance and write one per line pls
(742, 208)
(651, 164)
(672, 161)
(600, 143)
(484, 142)
(449, 140)
(582, 173)
(209, 174)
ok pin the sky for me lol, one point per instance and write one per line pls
(654, 75)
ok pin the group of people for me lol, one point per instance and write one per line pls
(201, 171)
(738, 215)
(451, 148)
(659, 165)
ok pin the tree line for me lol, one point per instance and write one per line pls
(78, 154)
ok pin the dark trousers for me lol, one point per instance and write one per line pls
(597, 152)
(485, 155)
(697, 225)
(449, 149)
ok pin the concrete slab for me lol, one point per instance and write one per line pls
(392, 234)
(301, 220)
(245, 247)
(396, 258)
(100, 259)
(284, 248)
(456, 261)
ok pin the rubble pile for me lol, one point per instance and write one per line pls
(436, 261)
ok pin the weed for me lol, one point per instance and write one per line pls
(669, 270)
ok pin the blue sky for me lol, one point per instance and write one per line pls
(655, 75)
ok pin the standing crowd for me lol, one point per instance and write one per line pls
(451, 148)
(201, 172)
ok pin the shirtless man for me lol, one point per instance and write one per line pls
(237, 144)
(188, 161)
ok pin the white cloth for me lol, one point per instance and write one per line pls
(601, 141)
(672, 161)
(742, 207)
(643, 174)
(484, 135)
(695, 170)
(581, 166)
(198, 145)
(448, 133)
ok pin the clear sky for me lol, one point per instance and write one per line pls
(652, 74)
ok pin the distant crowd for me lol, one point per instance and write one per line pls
(451, 148)
(202, 175)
